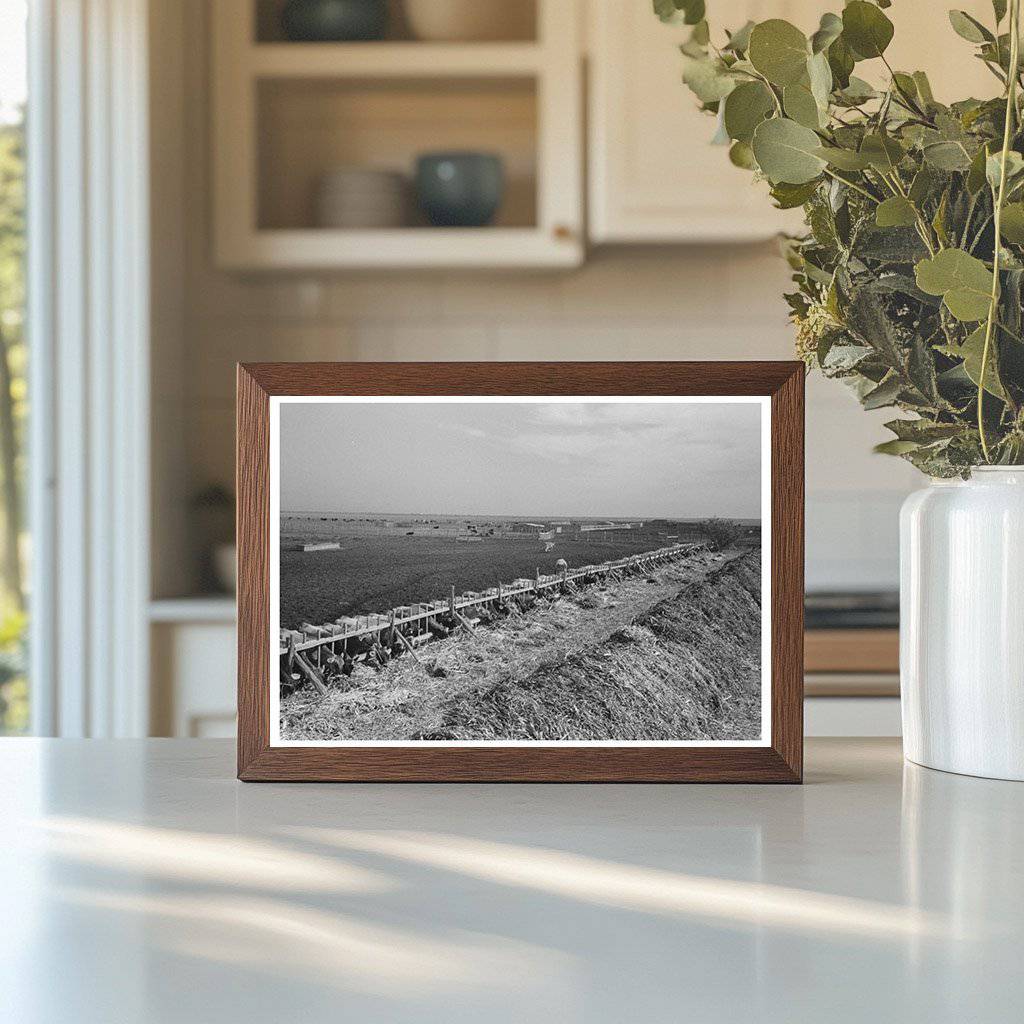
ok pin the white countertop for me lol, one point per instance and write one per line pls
(140, 882)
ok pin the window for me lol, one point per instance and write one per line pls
(14, 691)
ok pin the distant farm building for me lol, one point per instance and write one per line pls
(527, 527)
(605, 527)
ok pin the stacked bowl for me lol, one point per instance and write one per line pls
(362, 197)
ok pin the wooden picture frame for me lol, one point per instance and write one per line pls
(780, 757)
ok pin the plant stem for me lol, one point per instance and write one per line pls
(775, 98)
(894, 183)
(1011, 108)
(980, 232)
(853, 185)
(907, 99)
(1012, 334)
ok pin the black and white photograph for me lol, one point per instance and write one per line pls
(519, 570)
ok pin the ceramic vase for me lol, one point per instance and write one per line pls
(962, 624)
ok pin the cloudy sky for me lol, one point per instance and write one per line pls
(524, 458)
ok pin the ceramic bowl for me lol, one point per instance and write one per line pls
(333, 21)
(470, 20)
(460, 189)
(359, 197)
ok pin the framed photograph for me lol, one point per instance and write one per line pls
(563, 572)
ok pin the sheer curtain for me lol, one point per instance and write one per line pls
(88, 335)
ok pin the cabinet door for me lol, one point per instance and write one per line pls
(654, 177)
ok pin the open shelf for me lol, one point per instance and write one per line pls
(201, 609)
(406, 248)
(286, 114)
(308, 127)
(520, 23)
(390, 60)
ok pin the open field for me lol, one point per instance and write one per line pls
(374, 573)
(675, 656)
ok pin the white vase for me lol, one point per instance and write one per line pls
(962, 624)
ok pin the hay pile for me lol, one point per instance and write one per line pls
(689, 668)
(672, 656)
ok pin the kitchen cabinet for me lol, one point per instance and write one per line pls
(654, 177)
(287, 114)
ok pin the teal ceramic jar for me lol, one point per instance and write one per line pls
(460, 189)
(334, 21)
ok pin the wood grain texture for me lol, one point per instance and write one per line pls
(780, 762)
(253, 533)
(852, 650)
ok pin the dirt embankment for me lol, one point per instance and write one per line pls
(673, 656)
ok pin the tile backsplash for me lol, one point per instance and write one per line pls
(708, 303)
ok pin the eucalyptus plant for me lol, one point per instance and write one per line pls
(910, 277)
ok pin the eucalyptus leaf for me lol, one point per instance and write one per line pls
(1012, 223)
(801, 106)
(922, 185)
(993, 167)
(721, 136)
(889, 246)
(895, 447)
(892, 277)
(701, 34)
(829, 30)
(972, 351)
(905, 84)
(963, 281)
(883, 152)
(690, 12)
(841, 62)
(842, 358)
(868, 321)
(819, 76)
(922, 431)
(739, 41)
(921, 370)
(666, 10)
(976, 176)
(745, 108)
(885, 394)
(708, 80)
(866, 29)
(857, 91)
(788, 196)
(939, 219)
(969, 28)
(741, 155)
(787, 152)
(693, 10)
(924, 87)
(895, 212)
(844, 159)
(947, 156)
(779, 51)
